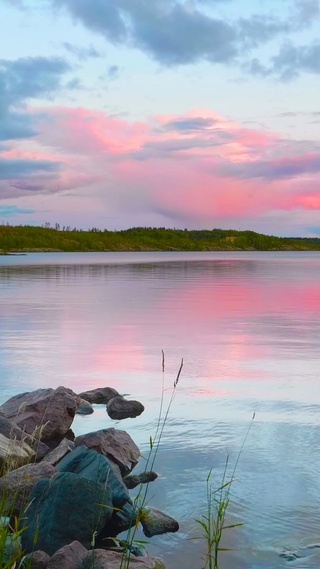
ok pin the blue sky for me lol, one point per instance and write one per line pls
(184, 113)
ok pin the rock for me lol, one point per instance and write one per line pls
(134, 480)
(14, 453)
(115, 445)
(120, 408)
(49, 412)
(12, 431)
(68, 557)
(64, 509)
(84, 408)
(36, 560)
(120, 521)
(15, 487)
(102, 559)
(99, 395)
(94, 466)
(58, 453)
(155, 522)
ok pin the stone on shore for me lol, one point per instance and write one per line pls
(48, 412)
(15, 487)
(14, 453)
(94, 466)
(134, 480)
(58, 453)
(116, 445)
(64, 509)
(36, 560)
(120, 408)
(102, 559)
(12, 431)
(68, 557)
(99, 395)
(155, 522)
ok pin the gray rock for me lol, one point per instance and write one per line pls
(99, 395)
(48, 412)
(14, 453)
(58, 453)
(68, 557)
(134, 480)
(64, 509)
(114, 444)
(102, 559)
(94, 466)
(155, 522)
(84, 408)
(36, 560)
(12, 431)
(15, 487)
(120, 408)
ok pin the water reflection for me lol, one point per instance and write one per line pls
(248, 328)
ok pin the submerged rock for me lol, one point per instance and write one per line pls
(102, 559)
(134, 480)
(99, 395)
(155, 522)
(120, 408)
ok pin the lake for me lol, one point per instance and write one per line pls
(247, 325)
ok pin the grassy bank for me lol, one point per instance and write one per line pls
(30, 238)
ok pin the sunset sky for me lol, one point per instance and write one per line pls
(173, 113)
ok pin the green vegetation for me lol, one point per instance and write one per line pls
(29, 238)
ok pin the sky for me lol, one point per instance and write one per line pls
(161, 113)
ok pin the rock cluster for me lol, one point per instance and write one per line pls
(71, 494)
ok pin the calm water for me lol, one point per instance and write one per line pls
(248, 328)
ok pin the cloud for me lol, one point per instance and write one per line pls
(81, 53)
(13, 168)
(306, 11)
(276, 169)
(12, 210)
(289, 62)
(21, 80)
(113, 72)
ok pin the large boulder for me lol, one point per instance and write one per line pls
(99, 395)
(120, 408)
(94, 466)
(64, 509)
(15, 487)
(36, 560)
(102, 559)
(13, 454)
(47, 412)
(116, 445)
(84, 407)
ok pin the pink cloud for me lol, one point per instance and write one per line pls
(198, 167)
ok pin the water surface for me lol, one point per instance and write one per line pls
(247, 325)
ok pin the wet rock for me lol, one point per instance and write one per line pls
(58, 453)
(48, 412)
(12, 431)
(120, 408)
(134, 480)
(102, 559)
(94, 466)
(99, 395)
(155, 522)
(36, 560)
(121, 520)
(15, 487)
(64, 509)
(14, 453)
(84, 408)
(114, 444)
(68, 557)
